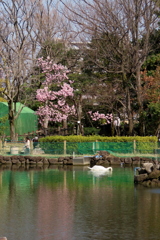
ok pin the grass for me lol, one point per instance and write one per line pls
(147, 155)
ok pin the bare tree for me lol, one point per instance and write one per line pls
(20, 42)
(16, 51)
(53, 29)
(125, 26)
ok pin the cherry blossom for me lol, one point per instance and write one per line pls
(54, 103)
(98, 116)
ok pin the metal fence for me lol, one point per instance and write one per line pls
(82, 148)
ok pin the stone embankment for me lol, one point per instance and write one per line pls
(107, 159)
(148, 175)
(28, 160)
(102, 158)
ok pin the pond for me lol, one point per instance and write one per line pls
(70, 203)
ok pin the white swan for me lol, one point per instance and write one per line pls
(98, 171)
(98, 168)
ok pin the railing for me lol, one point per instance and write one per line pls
(42, 133)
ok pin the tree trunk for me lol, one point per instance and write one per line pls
(79, 116)
(45, 125)
(11, 118)
(140, 102)
(65, 127)
(128, 101)
(129, 113)
(12, 130)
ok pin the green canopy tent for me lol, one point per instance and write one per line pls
(26, 121)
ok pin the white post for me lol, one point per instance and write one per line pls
(134, 146)
(65, 147)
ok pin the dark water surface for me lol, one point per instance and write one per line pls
(72, 204)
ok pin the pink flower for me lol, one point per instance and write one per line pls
(54, 106)
(98, 116)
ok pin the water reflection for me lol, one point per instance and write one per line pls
(156, 190)
(69, 203)
(55, 207)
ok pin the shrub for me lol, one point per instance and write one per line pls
(91, 131)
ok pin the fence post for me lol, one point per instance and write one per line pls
(16, 136)
(65, 147)
(134, 146)
(97, 145)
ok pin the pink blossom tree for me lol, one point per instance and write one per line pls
(53, 95)
(96, 116)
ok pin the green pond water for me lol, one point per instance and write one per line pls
(72, 204)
